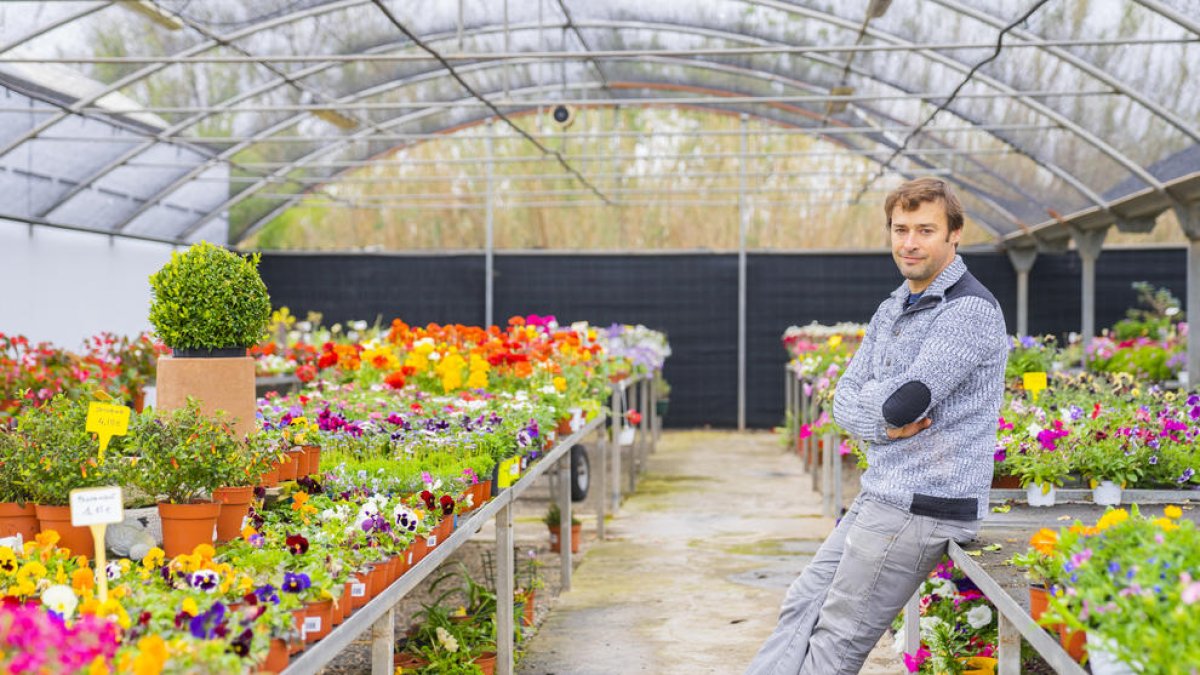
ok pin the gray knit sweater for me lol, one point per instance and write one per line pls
(941, 358)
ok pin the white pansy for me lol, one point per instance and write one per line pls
(979, 616)
(898, 641)
(61, 600)
(942, 587)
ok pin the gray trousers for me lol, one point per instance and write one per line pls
(859, 580)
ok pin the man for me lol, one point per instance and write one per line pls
(923, 392)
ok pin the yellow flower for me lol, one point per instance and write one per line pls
(189, 607)
(1173, 512)
(154, 558)
(477, 380)
(151, 656)
(8, 560)
(32, 569)
(1111, 518)
(835, 340)
(1166, 524)
(248, 531)
(99, 666)
(205, 551)
(560, 384)
(245, 584)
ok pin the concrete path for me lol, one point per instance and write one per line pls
(695, 567)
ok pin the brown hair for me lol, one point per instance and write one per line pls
(913, 193)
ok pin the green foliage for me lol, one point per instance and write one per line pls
(1162, 310)
(184, 455)
(1044, 467)
(1030, 355)
(54, 454)
(209, 298)
(553, 517)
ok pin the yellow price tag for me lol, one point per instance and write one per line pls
(1034, 383)
(509, 472)
(107, 420)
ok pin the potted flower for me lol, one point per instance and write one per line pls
(18, 516)
(181, 464)
(56, 455)
(242, 467)
(1040, 472)
(1110, 469)
(209, 305)
(553, 520)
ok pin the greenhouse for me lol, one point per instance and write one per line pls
(765, 336)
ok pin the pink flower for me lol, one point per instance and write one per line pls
(1191, 591)
(913, 661)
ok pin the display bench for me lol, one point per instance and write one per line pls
(378, 616)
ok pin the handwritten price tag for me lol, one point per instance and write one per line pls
(107, 420)
(1034, 383)
(97, 506)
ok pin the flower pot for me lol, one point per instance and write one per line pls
(235, 505)
(564, 427)
(17, 519)
(58, 518)
(296, 644)
(379, 578)
(1074, 641)
(405, 662)
(402, 564)
(318, 620)
(418, 550)
(487, 663)
(270, 477)
(344, 607)
(186, 526)
(1039, 600)
(556, 544)
(1107, 493)
(314, 459)
(289, 466)
(360, 590)
(527, 608)
(1039, 495)
(1103, 660)
(1006, 483)
(223, 383)
(277, 658)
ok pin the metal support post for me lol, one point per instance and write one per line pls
(1009, 655)
(912, 624)
(1189, 221)
(490, 226)
(383, 644)
(504, 591)
(602, 450)
(827, 462)
(814, 449)
(617, 423)
(633, 402)
(1088, 244)
(835, 456)
(743, 215)
(564, 524)
(645, 423)
(1022, 260)
(655, 421)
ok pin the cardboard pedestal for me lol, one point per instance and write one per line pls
(219, 384)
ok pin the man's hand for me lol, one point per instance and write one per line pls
(909, 430)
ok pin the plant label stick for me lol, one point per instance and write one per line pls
(96, 508)
(107, 420)
(1034, 383)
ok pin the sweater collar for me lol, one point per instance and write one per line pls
(946, 279)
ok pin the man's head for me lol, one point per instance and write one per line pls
(925, 221)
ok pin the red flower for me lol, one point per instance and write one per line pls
(395, 380)
(635, 417)
(297, 544)
(327, 360)
(306, 373)
(427, 497)
(447, 505)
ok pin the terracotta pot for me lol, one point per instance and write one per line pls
(302, 461)
(186, 526)
(1006, 482)
(487, 663)
(442, 532)
(344, 604)
(360, 590)
(418, 550)
(1039, 599)
(235, 504)
(405, 662)
(58, 518)
(16, 519)
(314, 459)
(527, 611)
(277, 657)
(402, 562)
(270, 477)
(379, 578)
(564, 427)
(139, 400)
(555, 542)
(1074, 641)
(296, 644)
(318, 620)
(289, 469)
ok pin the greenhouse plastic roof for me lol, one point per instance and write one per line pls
(130, 117)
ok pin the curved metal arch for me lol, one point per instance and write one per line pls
(437, 73)
(53, 25)
(1087, 67)
(300, 162)
(1171, 15)
(143, 73)
(955, 64)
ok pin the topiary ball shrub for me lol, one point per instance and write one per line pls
(209, 298)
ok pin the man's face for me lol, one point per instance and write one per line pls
(920, 245)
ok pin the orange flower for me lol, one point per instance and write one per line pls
(151, 655)
(1044, 540)
(82, 579)
(46, 538)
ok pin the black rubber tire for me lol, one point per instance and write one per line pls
(581, 476)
